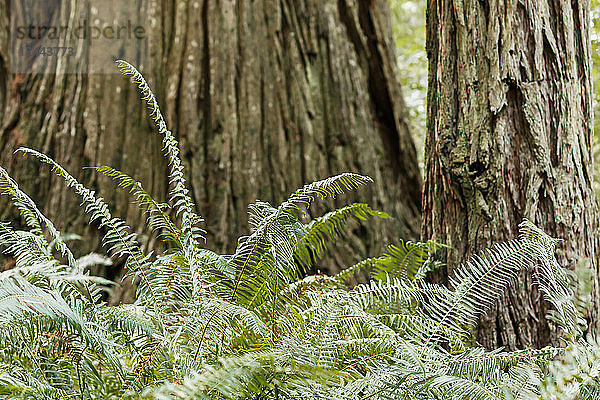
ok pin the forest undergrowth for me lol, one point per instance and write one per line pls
(253, 324)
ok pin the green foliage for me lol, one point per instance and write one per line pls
(251, 325)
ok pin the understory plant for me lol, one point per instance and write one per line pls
(252, 325)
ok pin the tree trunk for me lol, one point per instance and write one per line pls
(264, 96)
(510, 136)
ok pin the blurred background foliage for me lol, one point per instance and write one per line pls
(408, 18)
(408, 21)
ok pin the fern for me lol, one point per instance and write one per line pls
(31, 214)
(179, 195)
(327, 228)
(480, 282)
(576, 375)
(319, 190)
(407, 260)
(157, 218)
(278, 235)
(119, 240)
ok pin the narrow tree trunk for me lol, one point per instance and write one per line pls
(264, 96)
(510, 136)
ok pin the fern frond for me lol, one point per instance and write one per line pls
(346, 274)
(405, 260)
(27, 248)
(414, 302)
(483, 279)
(32, 214)
(127, 320)
(319, 190)
(557, 289)
(179, 195)
(521, 382)
(118, 239)
(233, 377)
(329, 228)
(399, 292)
(453, 387)
(265, 258)
(92, 259)
(479, 282)
(554, 283)
(476, 361)
(277, 234)
(574, 375)
(28, 312)
(157, 219)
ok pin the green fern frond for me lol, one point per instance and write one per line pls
(476, 361)
(251, 325)
(329, 228)
(319, 190)
(399, 292)
(234, 377)
(28, 312)
(127, 319)
(277, 234)
(482, 280)
(454, 387)
(9, 188)
(405, 260)
(258, 212)
(521, 382)
(554, 283)
(408, 260)
(273, 242)
(32, 215)
(118, 239)
(348, 273)
(574, 375)
(27, 248)
(416, 302)
(157, 219)
(92, 259)
(179, 195)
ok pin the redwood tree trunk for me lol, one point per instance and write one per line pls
(263, 96)
(510, 136)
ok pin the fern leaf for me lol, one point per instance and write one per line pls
(553, 282)
(32, 214)
(27, 248)
(118, 238)
(405, 260)
(319, 190)
(329, 228)
(158, 220)
(179, 195)
(277, 234)
(575, 374)
(483, 279)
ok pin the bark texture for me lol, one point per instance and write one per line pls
(264, 96)
(510, 136)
